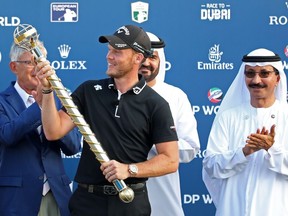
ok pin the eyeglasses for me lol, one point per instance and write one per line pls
(262, 74)
(28, 62)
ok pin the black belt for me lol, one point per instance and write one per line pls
(108, 189)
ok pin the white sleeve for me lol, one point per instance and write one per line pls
(277, 156)
(222, 161)
(186, 127)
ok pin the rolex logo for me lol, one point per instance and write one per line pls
(64, 50)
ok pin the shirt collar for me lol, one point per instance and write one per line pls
(136, 89)
(21, 92)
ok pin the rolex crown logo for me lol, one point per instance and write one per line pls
(64, 50)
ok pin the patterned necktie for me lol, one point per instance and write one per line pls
(46, 186)
(30, 101)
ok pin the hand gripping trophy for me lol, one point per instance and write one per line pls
(26, 36)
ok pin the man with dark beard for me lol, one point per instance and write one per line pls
(164, 191)
(122, 111)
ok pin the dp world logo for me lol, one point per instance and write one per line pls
(215, 95)
(139, 11)
(286, 51)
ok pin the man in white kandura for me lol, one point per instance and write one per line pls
(164, 192)
(246, 164)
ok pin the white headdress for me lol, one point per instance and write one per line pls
(238, 93)
(158, 44)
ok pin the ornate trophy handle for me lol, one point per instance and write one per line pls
(26, 36)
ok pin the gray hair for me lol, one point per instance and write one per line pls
(16, 51)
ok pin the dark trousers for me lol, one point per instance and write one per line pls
(84, 203)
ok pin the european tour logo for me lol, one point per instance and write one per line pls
(64, 12)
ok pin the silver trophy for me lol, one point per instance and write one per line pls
(26, 36)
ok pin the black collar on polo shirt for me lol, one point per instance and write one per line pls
(136, 89)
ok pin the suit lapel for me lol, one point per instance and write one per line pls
(14, 99)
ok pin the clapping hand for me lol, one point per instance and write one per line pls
(262, 139)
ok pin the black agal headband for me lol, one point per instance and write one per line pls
(157, 44)
(247, 58)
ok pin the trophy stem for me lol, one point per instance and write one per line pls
(26, 37)
(126, 194)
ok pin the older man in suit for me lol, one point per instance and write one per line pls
(27, 158)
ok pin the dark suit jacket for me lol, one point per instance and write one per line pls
(24, 158)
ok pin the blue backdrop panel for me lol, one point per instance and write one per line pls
(205, 41)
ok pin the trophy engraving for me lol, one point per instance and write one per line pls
(25, 36)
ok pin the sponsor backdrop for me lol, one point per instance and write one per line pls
(205, 43)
